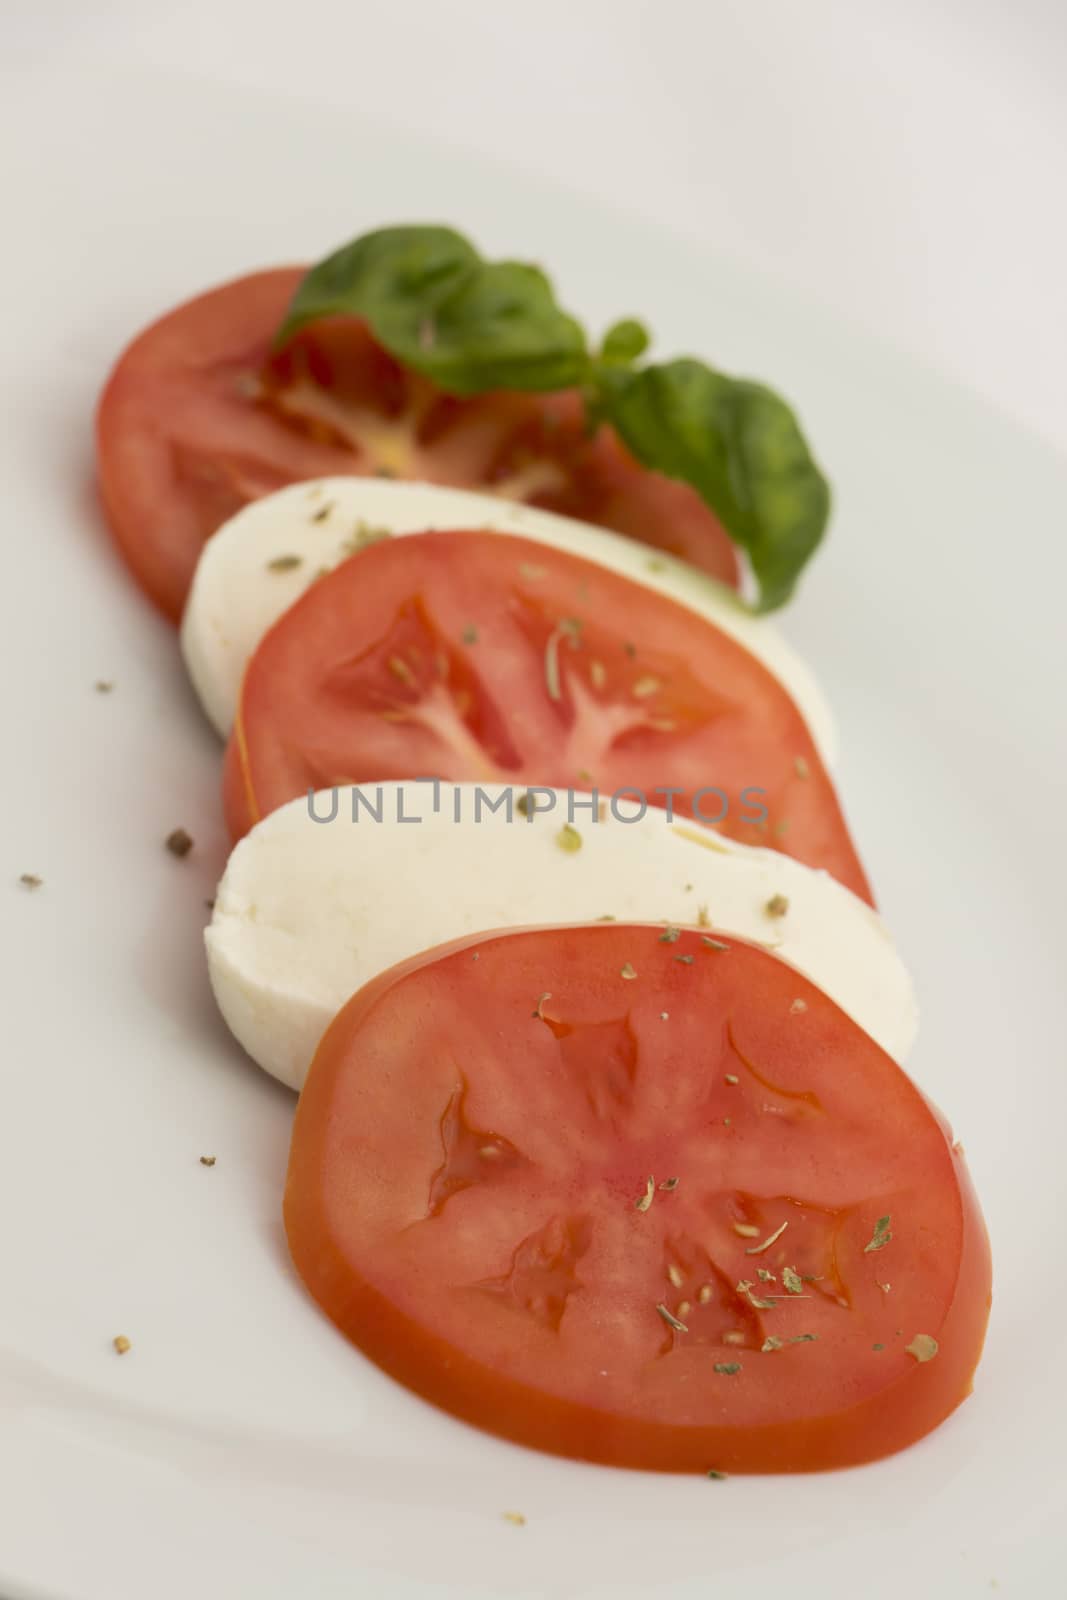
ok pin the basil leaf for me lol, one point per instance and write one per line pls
(472, 325)
(387, 272)
(624, 342)
(428, 296)
(500, 328)
(740, 446)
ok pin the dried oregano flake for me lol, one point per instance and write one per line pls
(758, 1249)
(670, 1319)
(881, 1236)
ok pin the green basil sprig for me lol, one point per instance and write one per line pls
(472, 325)
(429, 298)
(739, 445)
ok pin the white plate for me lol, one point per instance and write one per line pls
(241, 1448)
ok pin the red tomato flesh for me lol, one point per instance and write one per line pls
(639, 1202)
(198, 418)
(482, 657)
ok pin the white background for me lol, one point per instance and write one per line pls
(902, 162)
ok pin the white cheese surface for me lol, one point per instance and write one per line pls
(309, 911)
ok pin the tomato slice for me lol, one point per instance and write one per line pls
(482, 657)
(638, 1200)
(198, 418)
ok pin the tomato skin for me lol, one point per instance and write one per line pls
(881, 1426)
(340, 691)
(324, 1195)
(199, 416)
(174, 383)
(240, 807)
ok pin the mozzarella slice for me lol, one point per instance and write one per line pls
(264, 558)
(308, 911)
